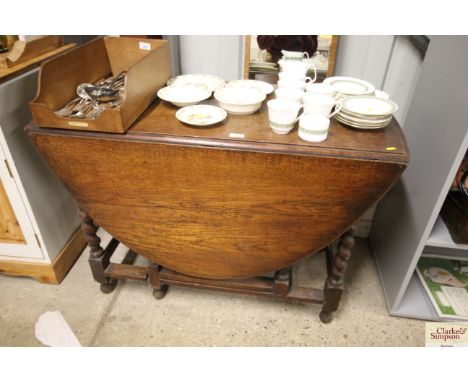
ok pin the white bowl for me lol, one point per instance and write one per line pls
(184, 95)
(239, 100)
(263, 86)
(201, 80)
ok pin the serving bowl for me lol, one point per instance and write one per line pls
(239, 100)
(184, 95)
(201, 80)
(263, 86)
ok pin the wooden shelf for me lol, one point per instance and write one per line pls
(9, 73)
(440, 237)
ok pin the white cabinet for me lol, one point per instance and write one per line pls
(39, 234)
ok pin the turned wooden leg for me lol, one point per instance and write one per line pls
(98, 260)
(336, 266)
(282, 282)
(159, 290)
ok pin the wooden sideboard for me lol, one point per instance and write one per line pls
(219, 207)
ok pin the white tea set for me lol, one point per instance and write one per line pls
(297, 91)
(354, 102)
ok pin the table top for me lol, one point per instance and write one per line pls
(252, 132)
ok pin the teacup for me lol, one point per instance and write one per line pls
(300, 68)
(294, 83)
(282, 114)
(319, 104)
(290, 93)
(292, 76)
(320, 88)
(313, 128)
(289, 55)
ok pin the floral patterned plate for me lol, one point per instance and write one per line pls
(201, 115)
(350, 86)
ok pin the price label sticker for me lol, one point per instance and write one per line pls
(78, 124)
(145, 45)
(391, 148)
(236, 135)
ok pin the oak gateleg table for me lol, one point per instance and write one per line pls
(219, 207)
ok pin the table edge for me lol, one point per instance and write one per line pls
(233, 144)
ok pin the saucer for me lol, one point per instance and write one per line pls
(201, 115)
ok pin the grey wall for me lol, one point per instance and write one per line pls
(78, 39)
(364, 57)
(175, 53)
(219, 55)
(390, 63)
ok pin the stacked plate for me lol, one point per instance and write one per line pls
(366, 112)
(349, 87)
(263, 66)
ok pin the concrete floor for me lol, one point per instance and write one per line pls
(130, 316)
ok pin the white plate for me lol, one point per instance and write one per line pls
(263, 86)
(201, 115)
(362, 126)
(366, 119)
(369, 106)
(369, 118)
(265, 65)
(350, 85)
(184, 95)
(212, 83)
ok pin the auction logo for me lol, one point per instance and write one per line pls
(446, 334)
